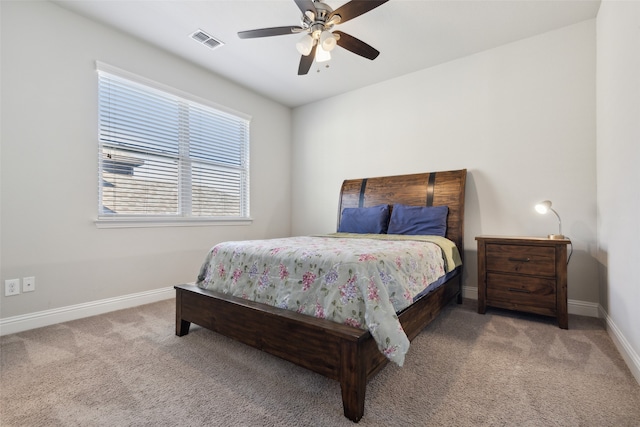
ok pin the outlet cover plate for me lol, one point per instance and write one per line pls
(11, 287)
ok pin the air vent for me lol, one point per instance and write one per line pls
(207, 40)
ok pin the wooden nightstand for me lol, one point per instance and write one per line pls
(523, 273)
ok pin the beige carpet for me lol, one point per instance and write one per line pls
(129, 369)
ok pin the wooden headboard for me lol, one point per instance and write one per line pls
(423, 189)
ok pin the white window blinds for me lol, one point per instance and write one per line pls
(163, 155)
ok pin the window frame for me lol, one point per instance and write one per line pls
(179, 219)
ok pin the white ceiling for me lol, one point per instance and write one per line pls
(410, 34)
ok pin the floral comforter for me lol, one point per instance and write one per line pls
(361, 280)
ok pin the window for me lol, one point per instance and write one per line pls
(164, 155)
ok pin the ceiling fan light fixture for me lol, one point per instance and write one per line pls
(321, 54)
(334, 20)
(327, 41)
(305, 44)
(310, 15)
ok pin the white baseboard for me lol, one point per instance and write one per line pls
(581, 308)
(626, 351)
(470, 292)
(12, 325)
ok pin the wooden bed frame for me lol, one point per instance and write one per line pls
(343, 353)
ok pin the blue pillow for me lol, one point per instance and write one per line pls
(373, 220)
(423, 220)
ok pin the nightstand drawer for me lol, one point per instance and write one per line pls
(511, 291)
(533, 260)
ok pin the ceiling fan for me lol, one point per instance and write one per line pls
(318, 19)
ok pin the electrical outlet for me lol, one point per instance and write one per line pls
(28, 284)
(11, 287)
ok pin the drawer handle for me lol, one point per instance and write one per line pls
(524, 291)
(519, 259)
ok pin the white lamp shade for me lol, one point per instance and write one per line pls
(321, 54)
(543, 207)
(305, 44)
(327, 41)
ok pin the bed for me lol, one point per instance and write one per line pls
(338, 351)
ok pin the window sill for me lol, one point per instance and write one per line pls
(167, 222)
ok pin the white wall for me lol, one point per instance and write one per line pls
(618, 155)
(520, 118)
(49, 164)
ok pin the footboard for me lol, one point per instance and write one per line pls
(336, 351)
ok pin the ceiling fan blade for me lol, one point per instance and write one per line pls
(268, 32)
(356, 46)
(355, 8)
(307, 61)
(305, 5)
